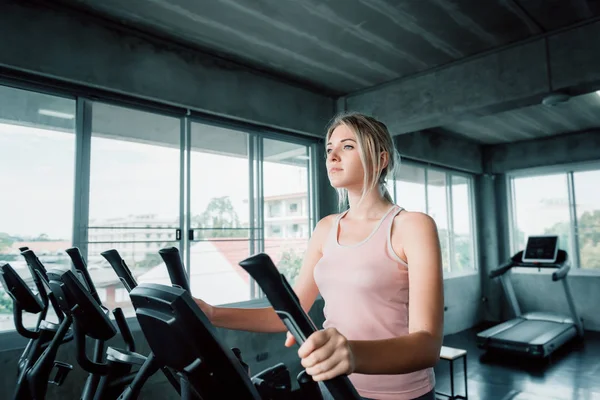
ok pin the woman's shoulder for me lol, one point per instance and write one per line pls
(326, 222)
(411, 220)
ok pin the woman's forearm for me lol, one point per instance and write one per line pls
(248, 319)
(401, 355)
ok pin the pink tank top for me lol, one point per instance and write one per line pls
(365, 288)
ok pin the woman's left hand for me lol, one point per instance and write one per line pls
(327, 354)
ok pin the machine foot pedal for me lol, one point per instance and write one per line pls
(62, 370)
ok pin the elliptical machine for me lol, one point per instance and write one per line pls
(182, 337)
(79, 300)
(38, 359)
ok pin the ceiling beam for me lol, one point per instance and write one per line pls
(511, 77)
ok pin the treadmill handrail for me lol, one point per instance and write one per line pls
(561, 264)
(561, 273)
(501, 270)
(287, 306)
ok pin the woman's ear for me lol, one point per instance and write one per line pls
(384, 159)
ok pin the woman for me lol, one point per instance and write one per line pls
(361, 262)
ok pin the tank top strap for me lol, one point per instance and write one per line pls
(333, 232)
(388, 219)
(387, 231)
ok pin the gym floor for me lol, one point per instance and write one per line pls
(571, 373)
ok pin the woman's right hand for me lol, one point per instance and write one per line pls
(290, 340)
(206, 308)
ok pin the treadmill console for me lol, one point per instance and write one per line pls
(541, 249)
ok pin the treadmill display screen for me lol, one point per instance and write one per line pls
(541, 249)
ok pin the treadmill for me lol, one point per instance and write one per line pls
(536, 334)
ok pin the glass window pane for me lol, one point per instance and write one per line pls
(286, 204)
(220, 214)
(37, 161)
(410, 188)
(134, 195)
(588, 217)
(438, 210)
(541, 205)
(462, 234)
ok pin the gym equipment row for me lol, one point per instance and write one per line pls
(184, 344)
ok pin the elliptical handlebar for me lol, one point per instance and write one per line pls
(81, 268)
(38, 272)
(287, 306)
(121, 269)
(172, 259)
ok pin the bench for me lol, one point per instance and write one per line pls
(451, 354)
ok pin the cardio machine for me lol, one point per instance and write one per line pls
(536, 334)
(182, 338)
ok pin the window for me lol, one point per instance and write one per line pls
(446, 196)
(220, 213)
(462, 242)
(217, 193)
(286, 171)
(559, 203)
(437, 208)
(588, 218)
(37, 160)
(541, 207)
(134, 192)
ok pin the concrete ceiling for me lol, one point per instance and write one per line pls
(344, 47)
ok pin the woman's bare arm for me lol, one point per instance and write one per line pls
(265, 319)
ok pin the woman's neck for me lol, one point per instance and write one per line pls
(372, 206)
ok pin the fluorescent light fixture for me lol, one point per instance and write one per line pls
(598, 92)
(57, 114)
(302, 157)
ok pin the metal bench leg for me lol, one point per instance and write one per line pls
(465, 366)
(452, 379)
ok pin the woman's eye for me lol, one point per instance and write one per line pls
(348, 147)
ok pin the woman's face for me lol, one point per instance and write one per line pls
(344, 168)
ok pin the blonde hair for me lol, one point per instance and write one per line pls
(373, 139)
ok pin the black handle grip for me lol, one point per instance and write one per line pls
(124, 329)
(286, 304)
(81, 268)
(38, 272)
(172, 259)
(121, 269)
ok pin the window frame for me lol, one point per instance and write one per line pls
(563, 169)
(449, 173)
(85, 98)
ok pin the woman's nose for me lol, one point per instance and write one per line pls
(333, 155)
